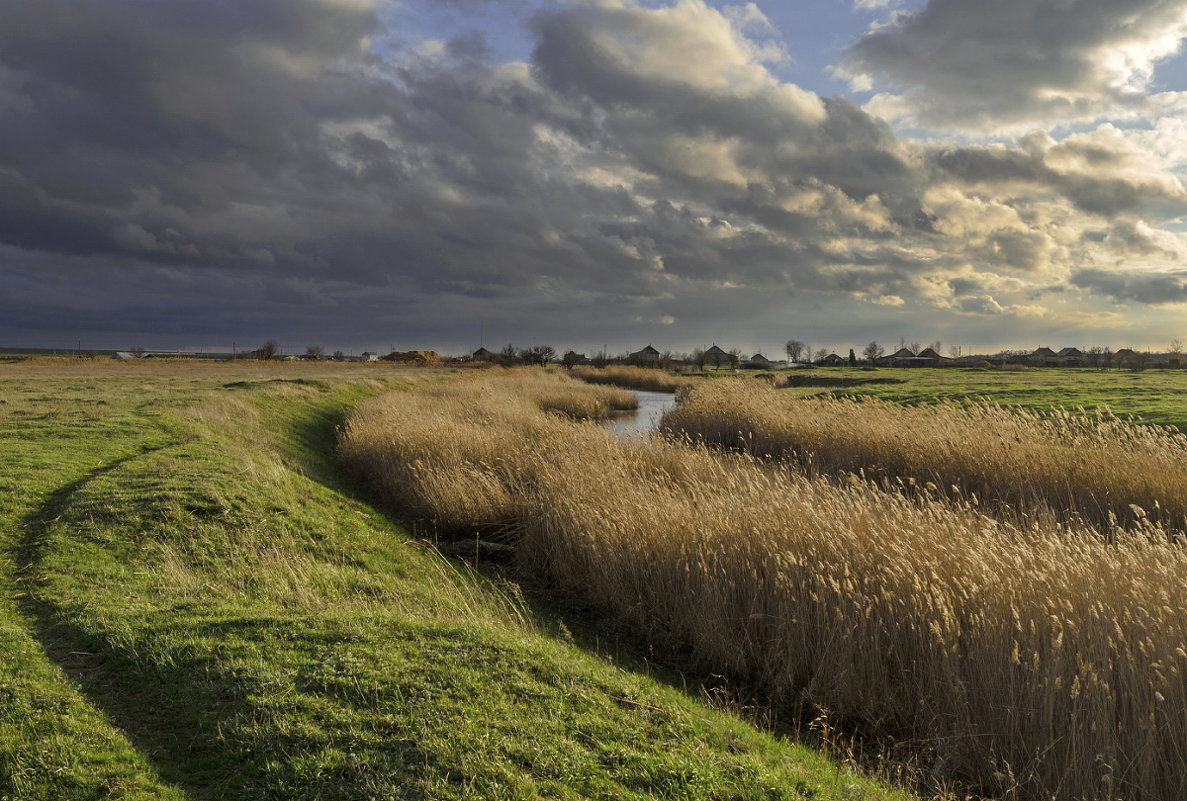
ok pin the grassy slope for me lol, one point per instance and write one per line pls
(193, 605)
(1157, 396)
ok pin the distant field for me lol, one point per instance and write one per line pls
(1157, 396)
(195, 603)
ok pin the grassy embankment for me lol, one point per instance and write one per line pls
(1034, 662)
(194, 605)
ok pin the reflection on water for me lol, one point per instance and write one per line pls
(652, 406)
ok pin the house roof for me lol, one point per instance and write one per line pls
(930, 353)
(715, 351)
(902, 353)
(1043, 352)
(1070, 352)
(482, 352)
(758, 357)
(647, 351)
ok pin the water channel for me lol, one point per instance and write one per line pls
(643, 420)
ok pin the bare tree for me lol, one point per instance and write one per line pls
(137, 351)
(794, 348)
(339, 355)
(873, 352)
(821, 353)
(315, 352)
(735, 356)
(700, 358)
(269, 350)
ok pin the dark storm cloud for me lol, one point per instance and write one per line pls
(191, 166)
(1155, 289)
(989, 66)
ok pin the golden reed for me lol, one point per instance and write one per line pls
(1039, 661)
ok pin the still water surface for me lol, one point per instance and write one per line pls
(642, 421)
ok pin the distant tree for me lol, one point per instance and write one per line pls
(508, 355)
(937, 346)
(916, 347)
(1094, 355)
(667, 360)
(570, 359)
(735, 356)
(339, 355)
(315, 352)
(821, 354)
(137, 351)
(873, 352)
(1138, 361)
(1106, 358)
(269, 350)
(1175, 355)
(600, 359)
(793, 348)
(852, 358)
(538, 354)
(700, 358)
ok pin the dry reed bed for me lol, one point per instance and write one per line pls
(1097, 468)
(1042, 662)
(643, 378)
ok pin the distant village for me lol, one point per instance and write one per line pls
(873, 355)
(797, 356)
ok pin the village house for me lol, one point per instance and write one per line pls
(483, 355)
(647, 355)
(900, 358)
(1043, 357)
(716, 356)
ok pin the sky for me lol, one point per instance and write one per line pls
(444, 174)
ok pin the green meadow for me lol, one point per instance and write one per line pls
(195, 603)
(1155, 396)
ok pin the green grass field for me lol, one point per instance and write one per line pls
(195, 604)
(1156, 396)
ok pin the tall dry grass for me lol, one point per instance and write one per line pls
(1014, 462)
(1040, 662)
(647, 379)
